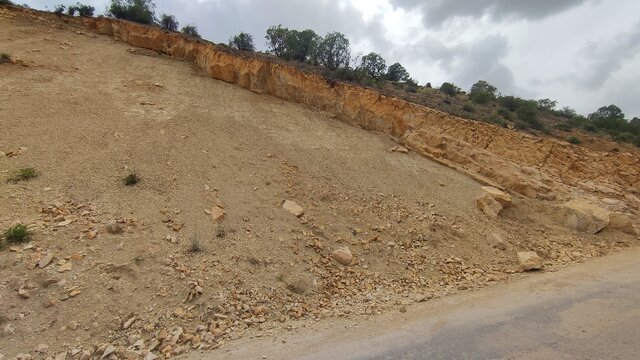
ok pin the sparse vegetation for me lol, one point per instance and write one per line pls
(5, 58)
(169, 22)
(81, 9)
(468, 108)
(23, 174)
(131, 179)
(190, 30)
(195, 246)
(140, 11)
(16, 234)
(242, 41)
(574, 140)
(449, 89)
(59, 9)
(5, 2)
(482, 92)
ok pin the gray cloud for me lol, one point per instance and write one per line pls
(604, 58)
(435, 12)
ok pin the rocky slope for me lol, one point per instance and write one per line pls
(209, 246)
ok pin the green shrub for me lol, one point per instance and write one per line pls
(449, 89)
(59, 9)
(5, 58)
(590, 127)
(140, 11)
(528, 112)
(468, 108)
(23, 174)
(17, 234)
(190, 30)
(504, 113)
(131, 179)
(482, 92)
(565, 126)
(625, 137)
(242, 41)
(574, 140)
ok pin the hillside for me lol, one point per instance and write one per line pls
(201, 251)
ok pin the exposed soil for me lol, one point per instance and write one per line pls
(86, 111)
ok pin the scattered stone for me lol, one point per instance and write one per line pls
(46, 260)
(61, 356)
(42, 348)
(179, 312)
(496, 241)
(400, 149)
(293, 208)
(65, 267)
(9, 329)
(343, 255)
(529, 260)
(584, 216)
(86, 355)
(150, 356)
(493, 201)
(74, 293)
(64, 223)
(114, 228)
(110, 349)
(217, 214)
(23, 293)
(24, 357)
(92, 234)
(129, 322)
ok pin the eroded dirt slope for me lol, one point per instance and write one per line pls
(85, 110)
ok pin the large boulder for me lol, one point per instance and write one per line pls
(492, 201)
(621, 221)
(584, 216)
(530, 260)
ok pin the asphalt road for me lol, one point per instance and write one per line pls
(587, 311)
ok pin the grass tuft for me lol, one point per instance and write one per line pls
(195, 246)
(23, 174)
(17, 234)
(131, 179)
(5, 58)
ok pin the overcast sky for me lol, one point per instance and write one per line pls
(583, 53)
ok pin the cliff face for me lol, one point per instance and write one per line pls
(531, 166)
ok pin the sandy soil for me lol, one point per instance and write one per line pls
(86, 111)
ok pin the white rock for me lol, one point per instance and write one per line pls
(584, 216)
(343, 255)
(293, 208)
(46, 260)
(529, 260)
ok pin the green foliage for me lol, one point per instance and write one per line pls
(190, 30)
(6, 2)
(608, 117)
(81, 9)
(397, 72)
(625, 137)
(482, 92)
(131, 179)
(140, 11)
(59, 9)
(449, 89)
(567, 112)
(590, 127)
(242, 41)
(574, 140)
(504, 113)
(527, 113)
(565, 126)
(333, 51)
(373, 65)
(546, 104)
(23, 174)
(5, 58)
(468, 108)
(169, 22)
(510, 103)
(290, 44)
(17, 234)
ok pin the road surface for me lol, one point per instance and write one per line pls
(586, 311)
